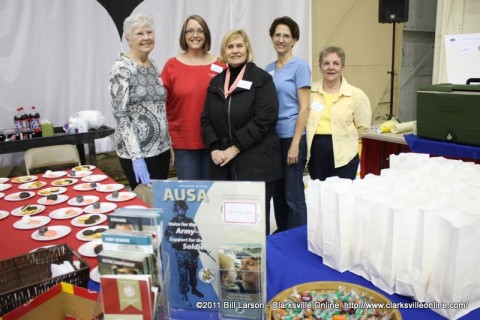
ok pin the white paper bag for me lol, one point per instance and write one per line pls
(337, 216)
(314, 219)
(455, 277)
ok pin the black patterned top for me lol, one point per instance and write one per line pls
(138, 105)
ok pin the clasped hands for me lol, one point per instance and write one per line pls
(223, 157)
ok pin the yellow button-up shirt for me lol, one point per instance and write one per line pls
(350, 117)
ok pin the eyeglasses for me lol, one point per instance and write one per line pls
(197, 31)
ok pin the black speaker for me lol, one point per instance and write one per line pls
(392, 11)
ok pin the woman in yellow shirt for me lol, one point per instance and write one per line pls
(339, 114)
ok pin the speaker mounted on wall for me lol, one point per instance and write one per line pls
(390, 11)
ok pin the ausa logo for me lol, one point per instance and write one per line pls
(188, 195)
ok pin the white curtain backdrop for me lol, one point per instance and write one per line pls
(57, 54)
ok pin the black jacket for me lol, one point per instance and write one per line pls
(247, 119)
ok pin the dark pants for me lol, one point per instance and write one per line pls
(187, 269)
(157, 167)
(322, 164)
(289, 196)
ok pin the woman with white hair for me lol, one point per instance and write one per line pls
(138, 103)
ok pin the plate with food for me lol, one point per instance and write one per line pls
(79, 174)
(66, 213)
(5, 186)
(28, 222)
(54, 174)
(330, 299)
(94, 178)
(23, 179)
(64, 182)
(3, 214)
(85, 167)
(52, 190)
(95, 274)
(45, 233)
(28, 209)
(3, 180)
(120, 196)
(100, 207)
(52, 199)
(87, 220)
(20, 196)
(91, 233)
(32, 185)
(82, 200)
(91, 248)
(110, 187)
(86, 186)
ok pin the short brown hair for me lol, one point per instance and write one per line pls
(204, 25)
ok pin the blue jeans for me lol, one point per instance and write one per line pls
(192, 164)
(289, 196)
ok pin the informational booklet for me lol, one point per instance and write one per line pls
(127, 297)
(200, 217)
(240, 267)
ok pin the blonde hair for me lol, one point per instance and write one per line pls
(232, 35)
(225, 262)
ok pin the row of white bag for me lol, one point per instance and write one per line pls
(414, 230)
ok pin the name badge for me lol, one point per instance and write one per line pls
(317, 106)
(161, 81)
(216, 68)
(244, 84)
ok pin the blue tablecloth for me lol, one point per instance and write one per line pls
(439, 148)
(290, 263)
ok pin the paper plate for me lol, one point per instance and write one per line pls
(3, 214)
(30, 209)
(60, 231)
(66, 213)
(35, 222)
(86, 201)
(5, 186)
(54, 174)
(1, 195)
(52, 190)
(80, 174)
(86, 220)
(110, 187)
(327, 287)
(32, 185)
(122, 196)
(16, 196)
(137, 206)
(64, 182)
(86, 235)
(85, 167)
(95, 275)
(3, 180)
(104, 208)
(94, 178)
(48, 202)
(83, 187)
(24, 179)
(88, 249)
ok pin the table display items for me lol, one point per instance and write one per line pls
(200, 218)
(412, 230)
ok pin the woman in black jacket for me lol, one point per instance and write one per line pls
(239, 117)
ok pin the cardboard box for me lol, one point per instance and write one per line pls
(63, 301)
